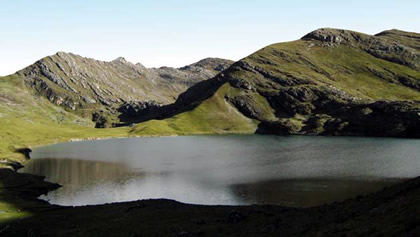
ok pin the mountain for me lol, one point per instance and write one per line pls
(89, 86)
(56, 98)
(330, 82)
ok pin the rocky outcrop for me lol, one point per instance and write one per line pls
(247, 106)
(382, 118)
(134, 111)
(379, 46)
(84, 84)
(211, 64)
(76, 82)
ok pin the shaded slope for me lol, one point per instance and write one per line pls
(329, 82)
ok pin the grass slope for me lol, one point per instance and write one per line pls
(349, 69)
(214, 116)
(328, 83)
(28, 120)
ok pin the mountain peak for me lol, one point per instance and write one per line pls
(120, 59)
(61, 53)
(216, 64)
(330, 35)
(396, 32)
(401, 35)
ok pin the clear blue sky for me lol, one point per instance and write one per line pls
(179, 32)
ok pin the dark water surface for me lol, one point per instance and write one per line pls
(235, 169)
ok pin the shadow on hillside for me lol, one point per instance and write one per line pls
(186, 101)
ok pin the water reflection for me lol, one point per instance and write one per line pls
(230, 170)
(77, 172)
(306, 192)
(80, 178)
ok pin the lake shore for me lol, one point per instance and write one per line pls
(394, 211)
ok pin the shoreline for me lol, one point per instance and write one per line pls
(396, 207)
(197, 220)
(390, 180)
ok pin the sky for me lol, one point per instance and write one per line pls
(179, 32)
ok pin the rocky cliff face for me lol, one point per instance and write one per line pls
(331, 82)
(89, 86)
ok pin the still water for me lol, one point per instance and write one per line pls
(231, 170)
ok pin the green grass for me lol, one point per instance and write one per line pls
(27, 120)
(410, 39)
(213, 116)
(346, 67)
(10, 212)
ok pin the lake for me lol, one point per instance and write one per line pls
(297, 171)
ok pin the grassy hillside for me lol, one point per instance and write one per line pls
(330, 82)
(93, 88)
(27, 119)
(351, 70)
(410, 39)
(213, 116)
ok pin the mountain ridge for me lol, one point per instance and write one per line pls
(331, 82)
(78, 83)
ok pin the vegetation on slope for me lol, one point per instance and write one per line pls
(213, 116)
(96, 89)
(28, 120)
(331, 82)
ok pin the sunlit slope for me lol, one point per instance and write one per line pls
(325, 58)
(214, 116)
(410, 39)
(349, 69)
(27, 120)
(329, 82)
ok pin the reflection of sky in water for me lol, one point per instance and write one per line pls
(233, 170)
